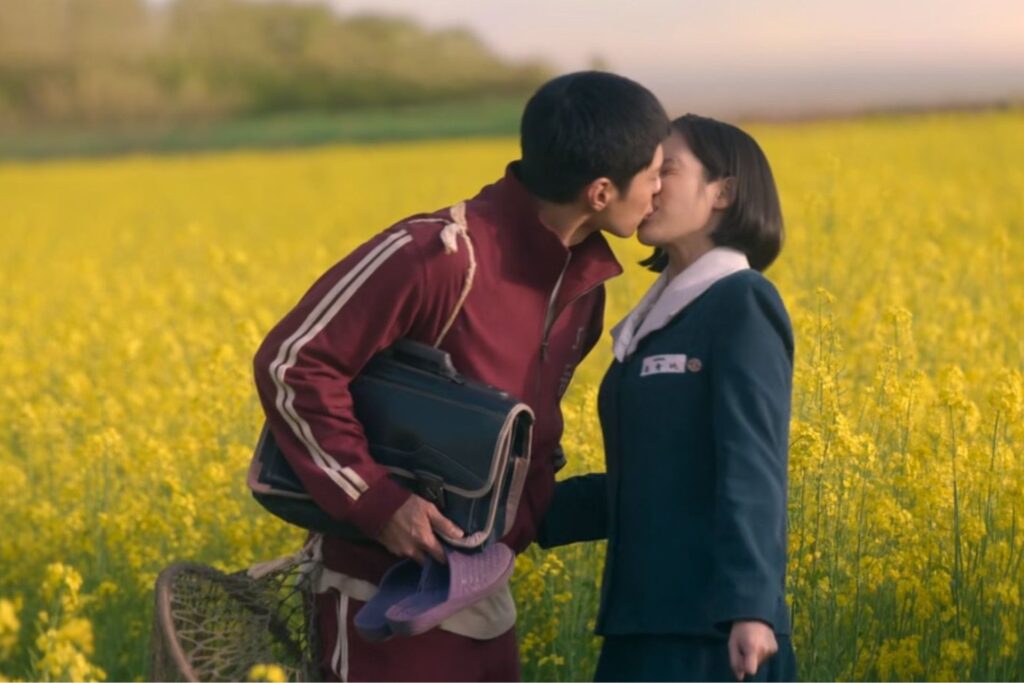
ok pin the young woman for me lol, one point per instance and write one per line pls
(695, 414)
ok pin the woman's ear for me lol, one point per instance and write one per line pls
(726, 193)
(599, 194)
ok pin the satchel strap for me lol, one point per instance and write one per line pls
(457, 228)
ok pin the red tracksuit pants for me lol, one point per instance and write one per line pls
(434, 656)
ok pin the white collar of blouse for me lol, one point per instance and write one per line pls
(665, 299)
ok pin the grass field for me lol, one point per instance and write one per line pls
(135, 290)
(476, 118)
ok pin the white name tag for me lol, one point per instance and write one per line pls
(666, 363)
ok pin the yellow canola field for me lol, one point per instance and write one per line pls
(134, 291)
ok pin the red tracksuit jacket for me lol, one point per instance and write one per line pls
(535, 309)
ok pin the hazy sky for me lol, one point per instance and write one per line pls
(759, 55)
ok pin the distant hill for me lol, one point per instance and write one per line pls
(102, 62)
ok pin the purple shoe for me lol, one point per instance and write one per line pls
(447, 589)
(399, 582)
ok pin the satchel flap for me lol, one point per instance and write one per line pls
(428, 423)
(416, 419)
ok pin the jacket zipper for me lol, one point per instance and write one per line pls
(549, 318)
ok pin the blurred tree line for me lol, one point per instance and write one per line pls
(118, 61)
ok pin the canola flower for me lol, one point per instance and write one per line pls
(63, 640)
(271, 673)
(135, 290)
(10, 626)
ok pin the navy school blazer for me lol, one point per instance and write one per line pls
(693, 503)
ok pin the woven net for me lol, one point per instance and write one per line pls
(211, 626)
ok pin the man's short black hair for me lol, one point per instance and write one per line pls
(588, 125)
(753, 222)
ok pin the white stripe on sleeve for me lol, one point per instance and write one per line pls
(326, 309)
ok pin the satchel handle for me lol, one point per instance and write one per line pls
(429, 358)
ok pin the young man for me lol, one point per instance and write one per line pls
(591, 156)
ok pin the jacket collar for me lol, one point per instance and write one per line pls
(540, 254)
(666, 298)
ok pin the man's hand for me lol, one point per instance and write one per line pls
(410, 531)
(750, 644)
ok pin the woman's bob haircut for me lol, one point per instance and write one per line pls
(753, 221)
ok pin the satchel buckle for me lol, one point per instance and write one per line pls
(430, 487)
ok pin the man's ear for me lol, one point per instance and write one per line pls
(726, 193)
(599, 194)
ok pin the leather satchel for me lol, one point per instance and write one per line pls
(460, 444)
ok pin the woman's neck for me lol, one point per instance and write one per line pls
(683, 252)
